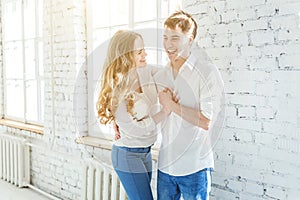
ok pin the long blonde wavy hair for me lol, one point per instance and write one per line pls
(115, 80)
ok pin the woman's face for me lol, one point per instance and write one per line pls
(140, 53)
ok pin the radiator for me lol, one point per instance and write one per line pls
(14, 160)
(101, 183)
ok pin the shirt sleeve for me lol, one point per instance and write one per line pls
(132, 126)
(211, 92)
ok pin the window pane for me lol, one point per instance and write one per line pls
(114, 29)
(169, 6)
(119, 12)
(29, 19)
(41, 101)
(144, 10)
(30, 59)
(100, 10)
(12, 25)
(13, 59)
(41, 57)
(31, 101)
(40, 18)
(14, 98)
(151, 24)
(100, 36)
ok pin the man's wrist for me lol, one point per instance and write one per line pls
(172, 106)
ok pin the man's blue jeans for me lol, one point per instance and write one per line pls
(134, 168)
(196, 186)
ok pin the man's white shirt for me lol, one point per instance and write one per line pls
(186, 148)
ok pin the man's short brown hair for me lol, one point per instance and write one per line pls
(182, 20)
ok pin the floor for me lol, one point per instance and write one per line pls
(11, 192)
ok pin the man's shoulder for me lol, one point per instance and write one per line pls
(202, 60)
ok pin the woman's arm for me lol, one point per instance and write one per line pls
(133, 127)
(191, 115)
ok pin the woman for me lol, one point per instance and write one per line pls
(128, 95)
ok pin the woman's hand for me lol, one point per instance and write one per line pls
(117, 133)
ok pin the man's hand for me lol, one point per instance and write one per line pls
(117, 133)
(166, 97)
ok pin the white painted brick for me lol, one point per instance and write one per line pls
(287, 35)
(282, 129)
(265, 89)
(244, 173)
(286, 168)
(266, 10)
(264, 63)
(250, 51)
(230, 111)
(254, 188)
(234, 28)
(265, 113)
(198, 8)
(221, 41)
(239, 63)
(240, 87)
(205, 21)
(240, 39)
(246, 112)
(253, 25)
(288, 181)
(228, 17)
(236, 4)
(293, 194)
(284, 22)
(219, 6)
(251, 196)
(205, 42)
(288, 144)
(244, 124)
(290, 8)
(278, 154)
(222, 53)
(265, 139)
(223, 194)
(290, 61)
(259, 38)
(246, 14)
(236, 186)
(289, 114)
(247, 100)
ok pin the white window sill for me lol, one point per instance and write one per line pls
(23, 126)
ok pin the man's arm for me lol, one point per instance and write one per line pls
(191, 115)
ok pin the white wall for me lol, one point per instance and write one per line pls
(255, 44)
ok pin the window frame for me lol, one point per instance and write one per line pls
(24, 122)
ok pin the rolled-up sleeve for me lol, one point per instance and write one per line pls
(211, 92)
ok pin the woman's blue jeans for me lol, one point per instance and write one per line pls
(134, 168)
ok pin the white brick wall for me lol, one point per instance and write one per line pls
(256, 46)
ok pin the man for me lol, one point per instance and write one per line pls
(188, 134)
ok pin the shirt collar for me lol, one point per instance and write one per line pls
(190, 62)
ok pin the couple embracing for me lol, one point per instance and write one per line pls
(189, 90)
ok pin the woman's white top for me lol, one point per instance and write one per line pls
(139, 129)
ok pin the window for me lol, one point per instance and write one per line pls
(104, 19)
(23, 60)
